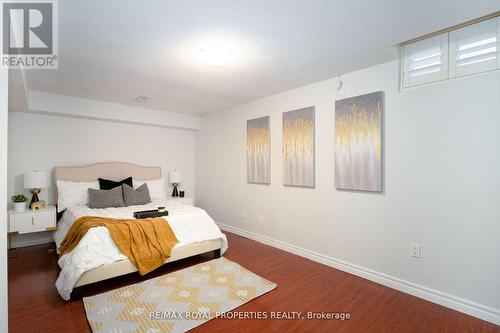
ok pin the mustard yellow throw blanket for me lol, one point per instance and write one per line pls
(146, 242)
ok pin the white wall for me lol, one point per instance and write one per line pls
(4, 93)
(41, 142)
(442, 186)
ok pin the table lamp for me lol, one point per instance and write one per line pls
(35, 180)
(175, 178)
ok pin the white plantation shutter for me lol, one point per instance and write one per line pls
(469, 50)
(474, 49)
(425, 61)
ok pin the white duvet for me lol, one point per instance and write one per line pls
(189, 224)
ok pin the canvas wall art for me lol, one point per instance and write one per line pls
(358, 142)
(258, 151)
(298, 147)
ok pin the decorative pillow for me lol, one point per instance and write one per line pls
(106, 184)
(71, 194)
(106, 198)
(136, 197)
(156, 188)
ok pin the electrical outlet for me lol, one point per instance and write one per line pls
(415, 250)
(260, 219)
(244, 214)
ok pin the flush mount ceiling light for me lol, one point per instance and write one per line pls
(216, 54)
(215, 51)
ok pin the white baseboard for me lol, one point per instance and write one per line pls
(456, 303)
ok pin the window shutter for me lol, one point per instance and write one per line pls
(425, 61)
(474, 49)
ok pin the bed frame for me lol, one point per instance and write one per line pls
(118, 171)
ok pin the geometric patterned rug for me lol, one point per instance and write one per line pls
(175, 302)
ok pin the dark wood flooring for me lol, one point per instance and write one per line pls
(303, 285)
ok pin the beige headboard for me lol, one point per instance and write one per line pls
(109, 170)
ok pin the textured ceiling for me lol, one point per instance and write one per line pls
(115, 50)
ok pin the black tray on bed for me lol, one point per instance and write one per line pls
(146, 214)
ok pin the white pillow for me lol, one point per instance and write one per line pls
(71, 194)
(156, 188)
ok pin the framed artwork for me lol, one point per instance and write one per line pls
(359, 142)
(298, 147)
(258, 151)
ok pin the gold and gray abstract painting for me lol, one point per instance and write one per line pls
(298, 147)
(358, 142)
(258, 151)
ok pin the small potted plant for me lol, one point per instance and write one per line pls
(19, 201)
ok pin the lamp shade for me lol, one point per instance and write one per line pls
(174, 177)
(35, 179)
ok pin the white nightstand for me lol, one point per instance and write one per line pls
(182, 201)
(29, 221)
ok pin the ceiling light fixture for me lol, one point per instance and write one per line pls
(217, 50)
(216, 54)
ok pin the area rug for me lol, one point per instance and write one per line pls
(175, 302)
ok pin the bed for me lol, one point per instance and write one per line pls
(97, 258)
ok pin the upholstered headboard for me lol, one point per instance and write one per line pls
(109, 170)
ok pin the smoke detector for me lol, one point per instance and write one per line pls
(141, 99)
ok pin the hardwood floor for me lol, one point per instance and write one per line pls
(303, 285)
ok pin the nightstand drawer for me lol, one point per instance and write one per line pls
(32, 222)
